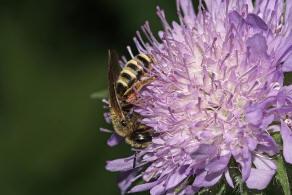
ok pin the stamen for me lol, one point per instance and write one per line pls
(105, 130)
(130, 51)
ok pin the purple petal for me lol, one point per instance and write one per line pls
(267, 144)
(264, 163)
(270, 8)
(228, 178)
(125, 179)
(244, 162)
(106, 116)
(265, 169)
(235, 18)
(267, 120)
(257, 47)
(282, 110)
(188, 10)
(143, 187)
(288, 12)
(205, 179)
(158, 189)
(175, 179)
(123, 164)
(246, 166)
(114, 140)
(284, 49)
(281, 98)
(204, 151)
(218, 163)
(252, 143)
(256, 22)
(287, 66)
(254, 117)
(259, 178)
(211, 6)
(287, 142)
(158, 141)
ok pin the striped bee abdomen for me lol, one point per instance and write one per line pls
(132, 72)
(128, 77)
(121, 88)
(144, 60)
(136, 68)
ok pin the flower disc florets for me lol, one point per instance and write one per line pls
(218, 96)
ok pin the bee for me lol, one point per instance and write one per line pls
(123, 86)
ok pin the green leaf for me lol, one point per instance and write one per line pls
(177, 190)
(243, 190)
(240, 186)
(222, 189)
(282, 176)
(277, 137)
(202, 191)
(99, 94)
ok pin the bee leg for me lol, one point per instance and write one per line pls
(132, 93)
(144, 82)
(153, 58)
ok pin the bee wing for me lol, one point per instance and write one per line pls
(113, 73)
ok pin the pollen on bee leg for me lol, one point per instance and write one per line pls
(134, 90)
(133, 96)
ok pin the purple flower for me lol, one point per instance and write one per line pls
(219, 95)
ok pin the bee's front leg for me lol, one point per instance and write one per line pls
(132, 93)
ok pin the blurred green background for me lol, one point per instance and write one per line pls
(53, 55)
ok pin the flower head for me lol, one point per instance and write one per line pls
(218, 97)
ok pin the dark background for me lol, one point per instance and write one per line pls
(53, 55)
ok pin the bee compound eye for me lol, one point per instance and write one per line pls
(142, 138)
(124, 123)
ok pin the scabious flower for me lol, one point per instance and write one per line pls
(217, 100)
